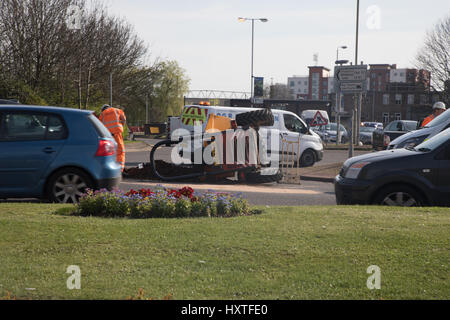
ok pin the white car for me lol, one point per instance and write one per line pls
(413, 138)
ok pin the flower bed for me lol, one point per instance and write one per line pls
(161, 203)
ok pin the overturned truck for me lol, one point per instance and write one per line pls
(213, 146)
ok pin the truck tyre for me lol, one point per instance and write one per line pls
(256, 177)
(255, 118)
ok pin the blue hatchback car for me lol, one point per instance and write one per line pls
(54, 153)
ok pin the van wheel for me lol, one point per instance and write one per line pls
(255, 118)
(399, 196)
(68, 185)
(307, 159)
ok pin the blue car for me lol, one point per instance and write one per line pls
(54, 153)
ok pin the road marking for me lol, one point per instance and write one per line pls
(230, 188)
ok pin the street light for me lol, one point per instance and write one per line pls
(241, 19)
(337, 51)
(338, 98)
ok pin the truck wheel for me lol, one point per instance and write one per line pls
(255, 118)
(256, 177)
(308, 159)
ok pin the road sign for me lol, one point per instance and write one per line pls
(350, 79)
(319, 120)
(354, 74)
(354, 87)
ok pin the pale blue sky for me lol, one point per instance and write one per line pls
(207, 40)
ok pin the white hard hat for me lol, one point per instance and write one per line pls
(439, 105)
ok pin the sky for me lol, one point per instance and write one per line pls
(214, 48)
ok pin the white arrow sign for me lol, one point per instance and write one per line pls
(351, 74)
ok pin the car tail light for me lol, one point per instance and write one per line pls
(387, 140)
(105, 148)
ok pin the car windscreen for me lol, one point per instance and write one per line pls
(99, 127)
(434, 142)
(367, 129)
(444, 117)
(410, 125)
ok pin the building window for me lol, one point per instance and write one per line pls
(385, 117)
(423, 99)
(385, 99)
(398, 99)
(398, 116)
(410, 99)
(306, 83)
(292, 83)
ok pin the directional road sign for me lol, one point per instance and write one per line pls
(350, 79)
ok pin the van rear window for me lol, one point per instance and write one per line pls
(99, 127)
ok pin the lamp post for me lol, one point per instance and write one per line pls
(240, 19)
(338, 99)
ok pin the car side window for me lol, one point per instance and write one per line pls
(392, 126)
(31, 127)
(55, 129)
(292, 123)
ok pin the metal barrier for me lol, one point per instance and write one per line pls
(290, 161)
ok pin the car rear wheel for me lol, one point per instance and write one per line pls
(400, 196)
(68, 185)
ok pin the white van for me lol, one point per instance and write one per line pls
(288, 125)
(413, 138)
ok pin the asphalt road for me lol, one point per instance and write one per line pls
(307, 193)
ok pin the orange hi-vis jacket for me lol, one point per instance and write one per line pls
(113, 119)
(427, 120)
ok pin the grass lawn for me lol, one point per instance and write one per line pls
(284, 253)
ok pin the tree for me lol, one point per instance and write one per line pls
(43, 60)
(169, 93)
(434, 56)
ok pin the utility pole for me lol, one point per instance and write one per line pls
(355, 98)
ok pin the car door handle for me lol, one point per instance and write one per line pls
(49, 150)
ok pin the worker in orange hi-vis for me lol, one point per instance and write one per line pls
(438, 109)
(114, 119)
